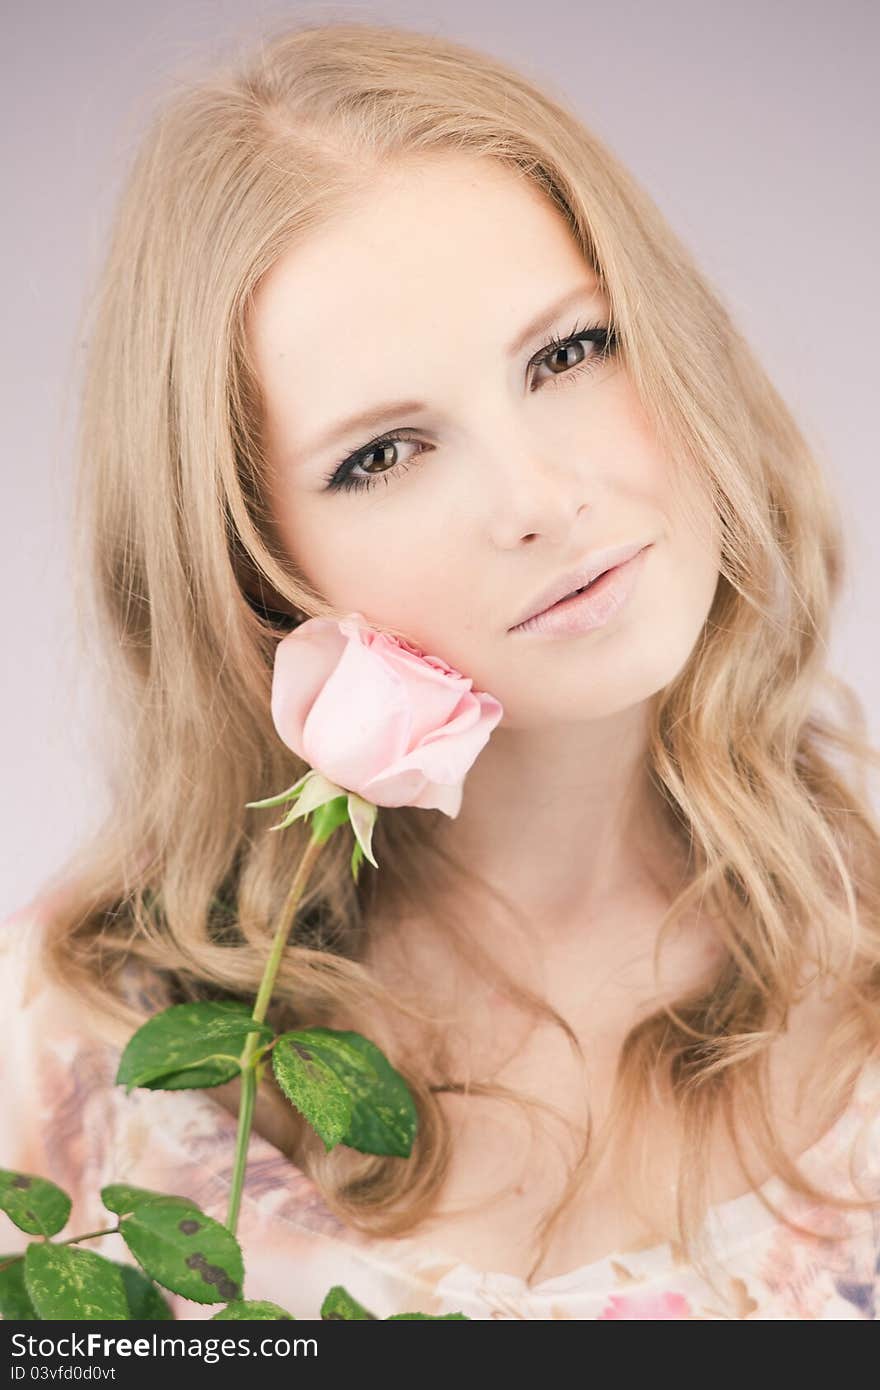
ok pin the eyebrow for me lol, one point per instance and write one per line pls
(375, 416)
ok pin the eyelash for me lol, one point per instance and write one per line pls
(605, 340)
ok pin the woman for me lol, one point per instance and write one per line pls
(345, 289)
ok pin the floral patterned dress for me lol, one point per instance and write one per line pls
(63, 1117)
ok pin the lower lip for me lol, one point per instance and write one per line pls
(593, 608)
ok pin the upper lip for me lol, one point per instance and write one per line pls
(592, 567)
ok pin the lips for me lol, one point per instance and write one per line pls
(594, 605)
(593, 567)
(581, 590)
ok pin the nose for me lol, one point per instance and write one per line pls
(536, 492)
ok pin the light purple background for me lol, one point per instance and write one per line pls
(753, 125)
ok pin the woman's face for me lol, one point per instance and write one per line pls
(499, 472)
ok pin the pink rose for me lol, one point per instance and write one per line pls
(378, 717)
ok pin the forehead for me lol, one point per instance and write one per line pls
(427, 242)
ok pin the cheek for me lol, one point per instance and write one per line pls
(359, 555)
(701, 559)
(653, 648)
(681, 603)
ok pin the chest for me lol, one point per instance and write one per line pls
(505, 1175)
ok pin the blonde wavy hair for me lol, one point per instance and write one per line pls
(183, 592)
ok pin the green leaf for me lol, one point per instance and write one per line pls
(340, 1304)
(255, 1308)
(146, 1303)
(15, 1305)
(434, 1317)
(121, 1198)
(189, 1046)
(185, 1251)
(64, 1282)
(34, 1204)
(384, 1118)
(312, 1086)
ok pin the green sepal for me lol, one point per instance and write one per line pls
(362, 815)
(357, 856)
(282, 796)
(328, 817)
(315, 793)
(315, 790)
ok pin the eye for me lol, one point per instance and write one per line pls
(603, 344)
(374, 458)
